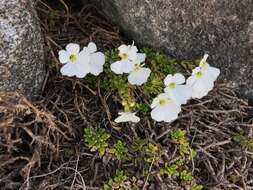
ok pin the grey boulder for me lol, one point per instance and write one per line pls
(187, 29)
(21, 48)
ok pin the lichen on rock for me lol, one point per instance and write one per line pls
(21, 48)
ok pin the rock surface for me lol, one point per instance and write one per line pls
(21, 48)
(187, 29)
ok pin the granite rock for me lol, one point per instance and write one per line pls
(187, 29)
(21, 48)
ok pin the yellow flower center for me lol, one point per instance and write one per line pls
(172, 85)
(73, 58)
(123, 56)
(162, 102)
(132, 104)
(199, 74)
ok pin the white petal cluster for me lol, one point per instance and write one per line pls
(202, 79)
(176, 90)
(76, 63)
(127, 117)
(139, 75)
(131, 63)
(97, 59)
(167, 106)
(80, 63)
(127, 53)
(164, 108)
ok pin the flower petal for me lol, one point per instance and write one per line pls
(196, 70)
(178, 78)
(171, 112)
(156, 100)
(83, 57)
(191, 80)
(157, 114)
(213, 72)
(181, 94)
(127, 66)
(120, 67)
(139, 77)
(96, 63)
(82, 65)
(166, 113)
(82, 69)
(132, 53)
(68, 70)
(201, 88)
(123, 48)
(127, 117)
(141, 57)
(92, 48)
(116, 67)
(73, 48)
(168, 79)
(63, 56)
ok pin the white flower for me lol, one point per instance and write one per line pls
(200, 82)
(202, 79)
(211, 71)
(176, 90)
(97, 59)
(139, 75)
(164, 109)
(127, 117)
(76, 63)
(127, 55)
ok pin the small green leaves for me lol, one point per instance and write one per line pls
(160, 62)
(244, 141)
(154, 86)
(179, 167)
(120, 150)
(174, 171)
(170, 171)
(185, 176)
(183, 148)
(178, 135)
(96, 139)
(196, 187)
(192, 154)
(143, 108)
(116, 183)
(152, 153)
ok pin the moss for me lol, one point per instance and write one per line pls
(160, 64)
(244, 141)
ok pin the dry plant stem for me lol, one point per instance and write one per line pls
(149, 171)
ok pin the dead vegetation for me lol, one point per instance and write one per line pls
(42, 145)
